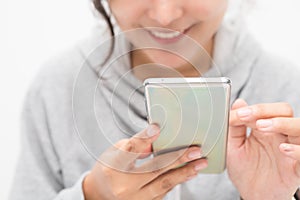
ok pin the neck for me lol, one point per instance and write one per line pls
(143, 67)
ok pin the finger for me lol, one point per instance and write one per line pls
(234, 119)
(123, 155)
(171, 160)
(260, 111)
(290, 150)
(160, 197)
(238, 104)
(165, 162)
(163, 195)
(169, 180)
(237, 134)
(287, 126)
(141, 142)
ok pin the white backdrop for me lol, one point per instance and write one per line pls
(33, 30)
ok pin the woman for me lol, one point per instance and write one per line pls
(84, 103)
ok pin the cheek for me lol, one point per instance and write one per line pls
(206, 9)
(127, 16)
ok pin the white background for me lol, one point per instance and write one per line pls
(33, 30)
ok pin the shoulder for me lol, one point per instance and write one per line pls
(262, 77)
(274, 78)
(276, 71)
(59, 72)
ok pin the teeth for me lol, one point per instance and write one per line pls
(165, 35)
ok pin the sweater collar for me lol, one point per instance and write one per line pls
(235, 52)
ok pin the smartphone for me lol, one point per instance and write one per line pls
(190, 111)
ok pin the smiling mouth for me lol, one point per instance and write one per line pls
(166, 37)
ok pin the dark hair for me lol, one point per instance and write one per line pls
(100, 8)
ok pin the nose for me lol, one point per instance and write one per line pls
(165, 11)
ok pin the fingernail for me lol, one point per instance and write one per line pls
(244, 112)
(195, 154)
(264, 123)
(286, 147)
(191, 177)
(200, 166)
(152, 130)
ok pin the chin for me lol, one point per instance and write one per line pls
(167, 59)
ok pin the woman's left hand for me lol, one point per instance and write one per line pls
(264, 165)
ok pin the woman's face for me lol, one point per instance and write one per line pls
(198, 19)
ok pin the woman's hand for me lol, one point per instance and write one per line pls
(262, 166)
(116, 175)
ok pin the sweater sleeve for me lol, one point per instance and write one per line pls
(38, 173)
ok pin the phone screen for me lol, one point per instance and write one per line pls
(191, 114)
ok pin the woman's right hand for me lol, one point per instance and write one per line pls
(116, 175)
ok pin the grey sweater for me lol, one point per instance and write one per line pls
(71, 116)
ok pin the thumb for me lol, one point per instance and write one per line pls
(141, 143)
(123, 154)
(237, 134)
